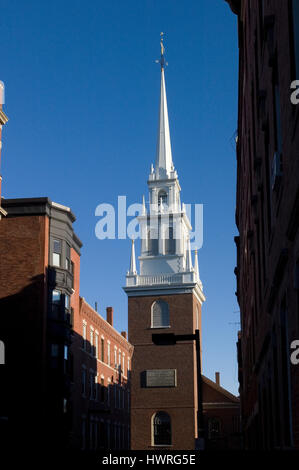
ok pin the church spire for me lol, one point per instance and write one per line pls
(164, 164)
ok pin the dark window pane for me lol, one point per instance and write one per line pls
(56, 297)
(162, 429)
(57, 246)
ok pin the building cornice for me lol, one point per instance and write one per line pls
(220, 389)
(146, 291)
(103, 324)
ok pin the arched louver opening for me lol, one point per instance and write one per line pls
(160, 314)
(162, 198)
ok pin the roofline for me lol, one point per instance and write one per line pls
(220, 389)
(39, 206)
(34, 201)
(82, 299)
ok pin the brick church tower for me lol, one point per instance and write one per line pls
(166, 296)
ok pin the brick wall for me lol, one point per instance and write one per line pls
(179, 402)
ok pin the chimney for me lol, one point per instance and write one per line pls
(109, 311)
(124, 334)
(217, 378)
(96, 306)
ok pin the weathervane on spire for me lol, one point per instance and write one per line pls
(162, 59)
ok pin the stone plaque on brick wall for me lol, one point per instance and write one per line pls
(161, 378)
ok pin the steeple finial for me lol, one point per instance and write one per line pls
(143, 206)
(196, 270)
(162, 59)
(133, 270)
(188, 257)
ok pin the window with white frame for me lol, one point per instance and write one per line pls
(91, 340)
(115, 356)
(84, 335)
(102, 349)
(97, 345)
(108, 353)
(56, 257)
(160, 314)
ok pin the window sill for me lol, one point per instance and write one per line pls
(155, 446)
(158, 327)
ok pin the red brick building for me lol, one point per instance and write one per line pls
(221, 416)
(267, 216)
(102, 365)
(40, 305)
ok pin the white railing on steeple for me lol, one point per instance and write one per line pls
(161, 279)
(148, 280)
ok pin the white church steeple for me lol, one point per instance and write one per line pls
(165, 258)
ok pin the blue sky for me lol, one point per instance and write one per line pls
(82, 93)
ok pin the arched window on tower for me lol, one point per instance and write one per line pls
(161, 429)
(162, 198)
(160, 314)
